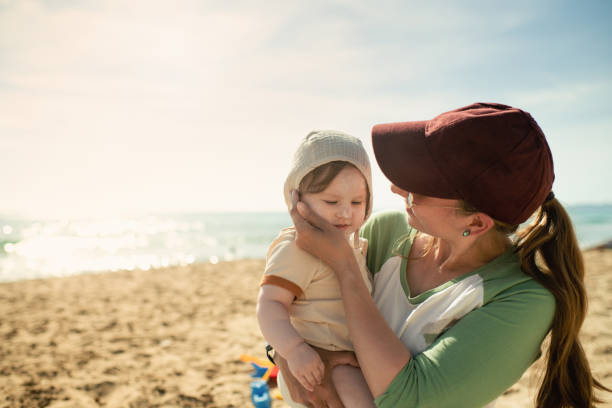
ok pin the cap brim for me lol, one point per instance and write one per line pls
(403, 156)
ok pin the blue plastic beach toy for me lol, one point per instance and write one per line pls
(260, 394)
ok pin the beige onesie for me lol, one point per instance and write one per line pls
(317, 313)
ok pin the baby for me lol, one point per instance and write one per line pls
(299, 300)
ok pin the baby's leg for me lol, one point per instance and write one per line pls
(282, 387)
(352, 387)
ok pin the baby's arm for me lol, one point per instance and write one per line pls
(273, 306)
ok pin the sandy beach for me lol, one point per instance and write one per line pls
(172, 337)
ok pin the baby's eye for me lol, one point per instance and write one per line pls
(330, 202)
(356, 203)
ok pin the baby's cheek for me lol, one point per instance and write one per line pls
(322, 213)
(362, 214)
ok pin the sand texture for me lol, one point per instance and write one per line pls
(173, 337)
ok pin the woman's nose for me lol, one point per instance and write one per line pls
(395, 189)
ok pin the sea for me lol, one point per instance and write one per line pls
(42, 248)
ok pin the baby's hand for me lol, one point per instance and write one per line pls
(306, 366)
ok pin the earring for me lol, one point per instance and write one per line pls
(466, 233)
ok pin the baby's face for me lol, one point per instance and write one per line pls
(343, 202)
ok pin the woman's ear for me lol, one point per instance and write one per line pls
(480, 223)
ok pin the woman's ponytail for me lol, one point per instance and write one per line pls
(550, 253)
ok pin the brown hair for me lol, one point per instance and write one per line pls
(318, 179)
(549, 252)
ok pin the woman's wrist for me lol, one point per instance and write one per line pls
(347, 268)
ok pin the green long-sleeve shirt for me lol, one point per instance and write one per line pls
(470, 338)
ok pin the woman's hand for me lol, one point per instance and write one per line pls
(324, 395)
(320, 238)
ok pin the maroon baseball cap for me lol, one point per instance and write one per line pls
(494, 157)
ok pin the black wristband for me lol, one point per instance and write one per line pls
(269, 350)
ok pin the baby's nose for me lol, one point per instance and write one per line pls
(344, 211)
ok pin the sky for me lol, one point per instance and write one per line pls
(168, 106)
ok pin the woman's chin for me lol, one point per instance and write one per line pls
(414, 223)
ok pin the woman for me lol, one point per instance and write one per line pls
(459, 309)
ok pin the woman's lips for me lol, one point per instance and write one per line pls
(342, 226)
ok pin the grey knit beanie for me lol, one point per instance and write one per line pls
(324, 146)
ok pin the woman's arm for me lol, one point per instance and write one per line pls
(273, 315)
(380, 353)
(478, 358)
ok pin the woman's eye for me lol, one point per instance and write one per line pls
(356, 202)
(330, 202)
